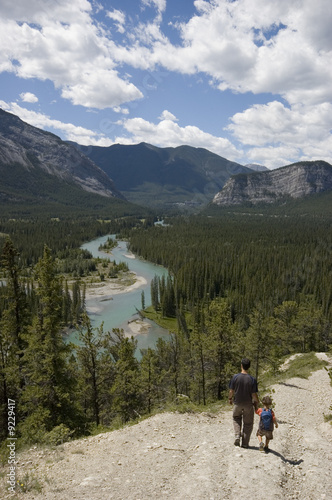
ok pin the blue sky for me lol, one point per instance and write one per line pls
(250, 80)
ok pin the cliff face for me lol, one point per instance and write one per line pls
(295, 181)
(31, 148)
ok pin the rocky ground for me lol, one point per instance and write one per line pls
(192, 456)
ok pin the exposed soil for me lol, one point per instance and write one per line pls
(192, 456)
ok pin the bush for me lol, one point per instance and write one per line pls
(58, 435)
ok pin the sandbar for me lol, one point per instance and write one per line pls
(110, 287)
(136, 327)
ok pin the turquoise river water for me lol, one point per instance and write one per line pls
(115, 312)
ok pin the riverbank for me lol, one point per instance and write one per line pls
(114, 286)
(113, 302)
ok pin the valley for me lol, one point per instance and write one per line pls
(248, 275)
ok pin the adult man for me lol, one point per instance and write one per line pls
(244, 389)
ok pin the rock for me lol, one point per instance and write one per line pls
(294, 181)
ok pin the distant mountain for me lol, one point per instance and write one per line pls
(290, 182)
(164, 177)
(256, 167)
(38, 165)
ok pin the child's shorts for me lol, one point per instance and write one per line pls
(267, 434)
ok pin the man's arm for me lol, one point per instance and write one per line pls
(256, 400)
(230, 396)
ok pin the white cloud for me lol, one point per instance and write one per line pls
(71, 132)
(100, 89)
(254, 46)
(158, 4)
(118, 109)
(119, 17)
(167, 115)
(62, 44)
(28, 97)
(277, 134)
(168, 133)
(41, 11)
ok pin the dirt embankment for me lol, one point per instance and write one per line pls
(192, 456)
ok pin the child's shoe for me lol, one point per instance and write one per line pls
(261, 446)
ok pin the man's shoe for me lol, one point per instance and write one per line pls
(261, 447)
(237, 442)
(266, 449)
(245, 446)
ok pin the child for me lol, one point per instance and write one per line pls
(266, 423)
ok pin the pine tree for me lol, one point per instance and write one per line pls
(258, 339)
(47, 399)
(221, 345)
(149, 378)
(126, 390)
(143, 300)
(154, 293)
(88, 356)
(13, 324)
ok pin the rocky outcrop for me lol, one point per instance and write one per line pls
(294, 181)
(32, 148)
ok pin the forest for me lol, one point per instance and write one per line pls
(238, 285)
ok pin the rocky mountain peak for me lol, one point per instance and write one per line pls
(294, 181)
(31, 148)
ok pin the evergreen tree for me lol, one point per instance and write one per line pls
(13, 324)
(223, 346)
(47, 398)
(149, 379)
(126, 390)
(155, 293)
(88, 356)
(258, 339)
(143, 300)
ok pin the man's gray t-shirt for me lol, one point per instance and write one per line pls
(243, 385)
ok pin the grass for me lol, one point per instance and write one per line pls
(300, 367)
(167, 323)
(28, 483)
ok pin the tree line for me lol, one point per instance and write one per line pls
(248, 260)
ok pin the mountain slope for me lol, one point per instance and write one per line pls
(38, 163)
(257, 168)
(293, 182)
(164, 177)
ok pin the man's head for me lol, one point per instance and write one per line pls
(245, 363)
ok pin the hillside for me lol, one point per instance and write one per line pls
(290, 182)
(164, 177)
(37, 168)
(192, 456)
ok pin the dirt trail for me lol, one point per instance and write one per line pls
(189, 456)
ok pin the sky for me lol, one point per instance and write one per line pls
(250, 80)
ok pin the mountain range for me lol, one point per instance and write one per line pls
(37, 169)
(164, 177)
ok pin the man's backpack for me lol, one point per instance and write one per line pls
(266, 420)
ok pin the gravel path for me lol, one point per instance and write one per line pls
(192, 456)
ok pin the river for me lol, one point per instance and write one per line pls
(116, 313)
